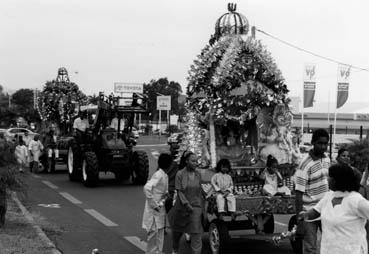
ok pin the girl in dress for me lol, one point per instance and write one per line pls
(35, 147)
(21, 155)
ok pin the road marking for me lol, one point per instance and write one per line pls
(69, 197)
(36, 176)
(136, 242)
(98, 216)
(49, 205)
(151, 145)
(51, 185)
(280, 223)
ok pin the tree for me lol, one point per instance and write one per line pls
(7, 115)
(162, 86)
(93, 99)
(23, 98)
(22, 101)
(4, 99)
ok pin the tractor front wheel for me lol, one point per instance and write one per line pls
(90, 169)
(140, 170)
(74, 164)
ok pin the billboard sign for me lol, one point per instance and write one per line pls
(120, 87)
(163, 102)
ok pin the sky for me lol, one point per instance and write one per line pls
(102, 42)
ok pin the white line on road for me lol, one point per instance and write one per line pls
(36, 176)
(69, 197)
(136, 242)
(98, 216)
(152, 145)
(280, 223)
(51, 185)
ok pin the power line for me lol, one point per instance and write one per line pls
(310, 52)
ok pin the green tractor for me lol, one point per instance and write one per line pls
(107, 146)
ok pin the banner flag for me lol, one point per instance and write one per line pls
(309, 85)
(343, 78)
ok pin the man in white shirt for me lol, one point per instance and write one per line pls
(115, 121)
(81, 123)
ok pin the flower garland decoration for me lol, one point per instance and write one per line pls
(57, 100)
(242, 64)
(192, 132)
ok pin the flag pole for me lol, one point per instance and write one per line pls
(334, 128)
(329, 106)
(302, 110)
(335, 116)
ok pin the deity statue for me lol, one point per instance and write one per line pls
(275, 138)
(230, 144)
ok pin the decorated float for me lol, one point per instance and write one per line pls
(238, 109)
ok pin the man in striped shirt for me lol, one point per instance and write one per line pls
(311, 185)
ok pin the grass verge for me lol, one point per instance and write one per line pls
(18, 236)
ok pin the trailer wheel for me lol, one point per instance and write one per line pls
(140, 170)
(296, 243)
(218, 237)
(269, 225)
(73, 164)
(90, 169)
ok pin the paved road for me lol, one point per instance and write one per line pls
(109, 217)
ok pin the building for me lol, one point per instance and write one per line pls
(349, 119)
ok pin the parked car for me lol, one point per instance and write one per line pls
(11, 132)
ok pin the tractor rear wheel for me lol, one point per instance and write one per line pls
(140, 170)
(74, 164)
(90, 169)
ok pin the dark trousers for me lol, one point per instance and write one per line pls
(196, 242)
(310, 241)
(35, 166)
(3, 205)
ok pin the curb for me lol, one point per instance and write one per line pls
(41, 234)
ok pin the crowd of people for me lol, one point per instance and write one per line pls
(330, 198)
(29, 150)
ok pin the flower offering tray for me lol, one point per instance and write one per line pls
(266, 204)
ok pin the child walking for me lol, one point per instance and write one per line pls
(273, 179)
(35, 147)
(21, 155)
(223, 184)
(154, 217)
